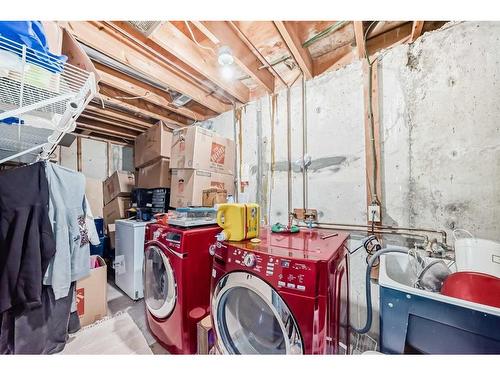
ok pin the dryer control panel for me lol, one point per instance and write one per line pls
(292, 275)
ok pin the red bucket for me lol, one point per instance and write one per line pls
(474, 287)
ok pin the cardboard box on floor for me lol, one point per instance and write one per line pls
(118, 184)
(91, 293)
(153, 144)
(116, 209)
(94, 194)
(188, 185)
(205, 335)
(198, 148)
(112, 235)
(154, 175)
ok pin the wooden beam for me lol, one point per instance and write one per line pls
(221, 32)
(105, 120)
(118, 115)
(416, 30)
(389, 39)
(99, 127)
(333, 60)
(106, 41)
(205, 62)
(114, 96)
(372, 100)
(137, 88)
(359, 34)
(301, 55)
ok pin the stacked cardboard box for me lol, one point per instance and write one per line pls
(116, 190)
(200, 160)
(151, 157)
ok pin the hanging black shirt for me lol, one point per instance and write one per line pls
(26, 238)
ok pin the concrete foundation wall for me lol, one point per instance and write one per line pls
(439, 116)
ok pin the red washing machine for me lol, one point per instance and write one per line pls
(287, 294)
(177, 268)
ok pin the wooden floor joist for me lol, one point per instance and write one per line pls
(105, 41)
(114, 96)
(137, 88)
(292, 40)
(203, 61)
(221, 32)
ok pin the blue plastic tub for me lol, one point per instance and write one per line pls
(414, 320)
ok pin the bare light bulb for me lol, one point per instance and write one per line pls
(225, 56)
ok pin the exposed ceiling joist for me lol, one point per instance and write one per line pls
(389, 39)
(360, 39)
(205, 62)
(114, 96)
(333, 60)
(115, 115)
(221, 32)
(104, 120)
(289, 33)
(416, 30)
(137, 88)
(99, 127)
(107, 42)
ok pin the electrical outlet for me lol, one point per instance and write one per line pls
(374, 213)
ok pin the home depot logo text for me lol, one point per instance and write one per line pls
(218, 153)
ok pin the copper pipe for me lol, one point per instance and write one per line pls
(387, 227)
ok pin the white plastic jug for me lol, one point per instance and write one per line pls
(476, 254)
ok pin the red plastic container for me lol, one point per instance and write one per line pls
(474, 287)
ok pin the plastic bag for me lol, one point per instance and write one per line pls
(32, 35)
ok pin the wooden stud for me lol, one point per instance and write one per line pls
(78, 154)
(301, 55)
(360, 39)
(203, 61)
(100, 38)
(376, 125)
(221, 32)
(416, 30)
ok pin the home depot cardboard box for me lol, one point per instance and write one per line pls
(199, 148)
(118, 184)
(154, 175)
(188, 185)
(116, 209)
(91, 293)
(94, 194)
(155, 143)
(213, 196)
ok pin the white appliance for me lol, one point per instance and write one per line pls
(129, 256)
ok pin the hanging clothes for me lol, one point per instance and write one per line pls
(39, 330)
(68, 211)
(26, 239)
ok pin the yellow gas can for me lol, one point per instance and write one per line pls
(239, 221)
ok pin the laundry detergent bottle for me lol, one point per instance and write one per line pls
(239, 221)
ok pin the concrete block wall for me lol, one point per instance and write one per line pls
(440, 126)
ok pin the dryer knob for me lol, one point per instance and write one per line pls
(249, 260)
(211, 250)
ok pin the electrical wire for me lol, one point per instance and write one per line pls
(370, 116)
(194, 39)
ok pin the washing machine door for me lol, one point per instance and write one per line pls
(252, 318)
(160, 289)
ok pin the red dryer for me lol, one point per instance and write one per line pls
(287, 294)
(177, 268)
